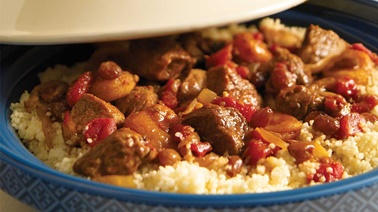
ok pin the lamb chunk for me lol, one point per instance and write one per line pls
(299, 101)
(195, 45)
(294, 64)
(223, 78)
(84, 111)
(90, 107)
(121, 153)
(319, 45)
(140, 98)
(224, 128)
(157, 59)
(50, 96)
(192, 85)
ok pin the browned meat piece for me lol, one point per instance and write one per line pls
(121, 153)
(140, 98)
(288, 70)
(192, 85)
(195, 45)
(223, 78)
(154, 123)
(224, 128)
(157, 59)
(294, 64)
(51, 97)
(84, 111)
(299, 101)
(49, 102)
(319, 46)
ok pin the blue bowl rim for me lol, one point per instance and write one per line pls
(40, 170)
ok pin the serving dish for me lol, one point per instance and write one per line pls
(32, 182)
(48, 22)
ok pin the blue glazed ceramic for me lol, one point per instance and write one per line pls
(25, 177)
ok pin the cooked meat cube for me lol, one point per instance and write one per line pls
(154, 123)
(195, 45)
(121, 153)
(192, 85)
(90, 107)
(299, 101)
(224, 128)
(49, 96)
(84, 111)
(140, 98)
(294, 64)
(320, 44)
(288, 70)
(48, 100)
(157, 59)
(223, 78)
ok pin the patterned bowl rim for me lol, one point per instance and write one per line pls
(15, 154)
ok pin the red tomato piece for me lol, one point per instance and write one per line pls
(98, 129)
(183, 132)
(200, 149)
(221, 57)
(328, 171)
(245, 109)
(169, 93)
(350, 125)
(243, 71)
(347, 88)
(79, 87)
(366, 104)
(258, 36)
(256, 150)
(336, 106)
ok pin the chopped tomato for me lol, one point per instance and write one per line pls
(336, 106)
(245, 109)
(221, 57)
(169, 93)
(366, 104)
(200, 149)
(98, 129)
(243, 71)
(346, 87)
(255, 150)
(79, 87)
(328, 171)
(350, 125)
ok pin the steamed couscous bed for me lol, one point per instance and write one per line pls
(215, 173)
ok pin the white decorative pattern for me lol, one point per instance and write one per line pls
(47, 196)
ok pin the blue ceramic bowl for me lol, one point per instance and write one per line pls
(28, 179)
